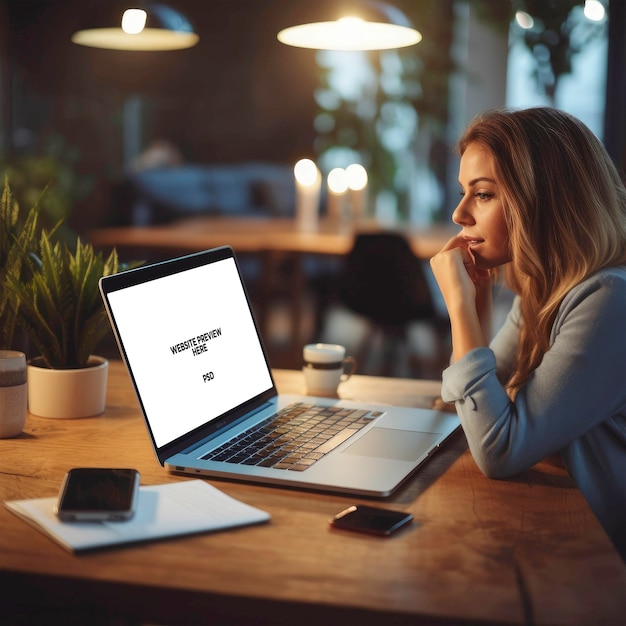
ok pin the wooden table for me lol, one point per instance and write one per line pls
(256, 235)
(523, 551)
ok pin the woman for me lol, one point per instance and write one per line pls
(541, 197)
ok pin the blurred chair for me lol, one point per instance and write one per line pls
(386, 284)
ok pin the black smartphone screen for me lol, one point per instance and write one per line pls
(98, 491)
(369, 519)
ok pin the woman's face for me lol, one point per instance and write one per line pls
(481, 212)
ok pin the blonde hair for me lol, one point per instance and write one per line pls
(565, 207)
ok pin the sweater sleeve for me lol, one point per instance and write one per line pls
(580, 383)
(504, 344)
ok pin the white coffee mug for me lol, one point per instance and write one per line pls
(325, 366)
(13, 395)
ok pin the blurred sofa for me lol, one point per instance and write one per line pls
(162, 194)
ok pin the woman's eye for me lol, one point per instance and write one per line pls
(483, 195)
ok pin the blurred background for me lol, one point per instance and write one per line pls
(88, 121)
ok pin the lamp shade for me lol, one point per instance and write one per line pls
(157, 27)
(349, 33)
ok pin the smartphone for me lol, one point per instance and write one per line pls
(371, 520)
(91, 494)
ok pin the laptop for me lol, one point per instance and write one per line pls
(187, 333)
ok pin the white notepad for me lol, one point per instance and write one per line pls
(163, 511)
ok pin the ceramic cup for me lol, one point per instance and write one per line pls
(325, 366)
(13, 395)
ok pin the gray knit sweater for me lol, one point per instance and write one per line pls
(574, 403)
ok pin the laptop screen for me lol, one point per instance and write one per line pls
(190, 342)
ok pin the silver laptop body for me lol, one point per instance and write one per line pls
(187, 334)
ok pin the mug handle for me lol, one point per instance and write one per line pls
(349, 367)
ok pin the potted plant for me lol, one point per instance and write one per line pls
(54, 298)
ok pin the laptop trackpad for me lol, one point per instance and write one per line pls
(390, 443)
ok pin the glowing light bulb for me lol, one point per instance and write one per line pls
(594, 10)
(337, 180)
(524, 20)
(306, 172)
(134, 21)
(357, 177)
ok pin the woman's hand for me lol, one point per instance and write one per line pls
(456, 273)
(466, 290)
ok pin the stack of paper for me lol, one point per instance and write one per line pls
(163, 511)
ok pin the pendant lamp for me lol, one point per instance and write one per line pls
(355, 33)
(157, 27)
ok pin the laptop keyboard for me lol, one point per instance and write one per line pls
(294, 438)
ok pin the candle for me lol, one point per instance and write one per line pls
(308, 185)
(357, 183)
(337, 186)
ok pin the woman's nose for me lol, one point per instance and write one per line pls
(461, 215)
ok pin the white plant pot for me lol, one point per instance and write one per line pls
(68, 393)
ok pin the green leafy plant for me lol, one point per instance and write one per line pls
(18, 237)
(59, 305)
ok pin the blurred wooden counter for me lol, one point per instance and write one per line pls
(247, 234)
(523, 551)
